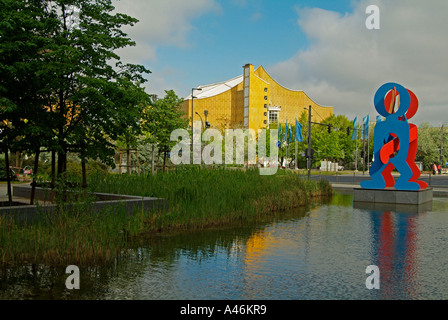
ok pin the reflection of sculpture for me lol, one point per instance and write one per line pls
(395, 142)
(394, 251)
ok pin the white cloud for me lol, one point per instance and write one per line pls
(161, 23)
(346, 63)
(167, 78)
(165, 22)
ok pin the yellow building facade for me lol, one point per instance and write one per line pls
(253, 100)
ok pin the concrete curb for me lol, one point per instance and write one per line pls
(33, 213)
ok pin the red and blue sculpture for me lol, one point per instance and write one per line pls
(395, 141)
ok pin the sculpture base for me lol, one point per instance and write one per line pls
(392, 196)
(393, 200)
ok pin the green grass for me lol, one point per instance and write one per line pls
(197, 198)
(76, 236)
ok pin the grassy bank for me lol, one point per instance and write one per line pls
(198, 198)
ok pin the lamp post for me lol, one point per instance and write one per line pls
(192, 122)
(206, 114)
(192, 98)
(202, 122)
(308, 160)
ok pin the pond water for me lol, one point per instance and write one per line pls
(318, 252)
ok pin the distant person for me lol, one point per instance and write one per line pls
(439, 168)
(434, 169)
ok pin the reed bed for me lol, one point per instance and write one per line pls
(200, 197)
(197, 198)
(70, 237)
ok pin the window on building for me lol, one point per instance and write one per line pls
(273, 116)
(265, 89)
(265, 97)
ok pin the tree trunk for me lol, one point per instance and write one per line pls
(158, 160)
(128, 159)
(120, 164)
(137, 161)
(60, 135)
(84, 176)
(60, 163)
(36, 167)
(21, 161)
(64, 163)
(164, 161)
(152, 159)
(8, 176)
(53, 168)
(21, 156)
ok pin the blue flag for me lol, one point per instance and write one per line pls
(290, 132)
(355, 129)
(298, 134)
(366, 126)
(280, 132)
(286, 131)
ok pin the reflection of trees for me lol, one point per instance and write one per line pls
(113, 279)
(340, 199)
(440, 205)
(148, 268)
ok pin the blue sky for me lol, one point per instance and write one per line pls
(258, 32)
(321, 47)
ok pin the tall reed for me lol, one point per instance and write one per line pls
(197, 198)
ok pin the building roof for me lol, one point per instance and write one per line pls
(214, 89)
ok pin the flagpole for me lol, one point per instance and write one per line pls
(356, 129)
(356, 153)
(287, 143)
(368, 143)
(364, 150)
(309, 144)
(278, 136)
(295, 145)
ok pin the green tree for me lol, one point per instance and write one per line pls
(429, 142)
(161, 118)
(91, 102)
(59, 89)
(24, 37)
(335, 145)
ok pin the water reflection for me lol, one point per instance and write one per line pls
(394, 249)
(318, 252)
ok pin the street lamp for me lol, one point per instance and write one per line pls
(192, 122)
(203, 128)
(206, 123)
(192, 97)
(308, 162)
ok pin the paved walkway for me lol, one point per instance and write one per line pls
(4, 194)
